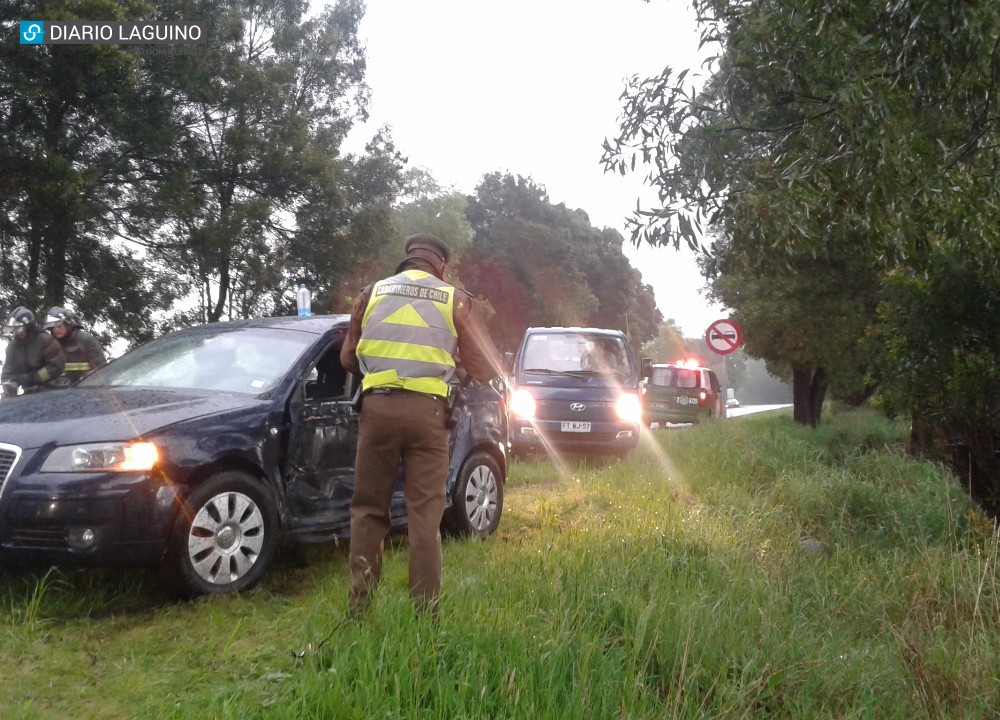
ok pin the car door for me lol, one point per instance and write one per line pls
(323, 438)
(715, 395)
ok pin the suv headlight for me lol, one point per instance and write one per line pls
(629, 408)
(522, 404)
(108, 456)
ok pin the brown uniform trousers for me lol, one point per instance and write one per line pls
(411, 426)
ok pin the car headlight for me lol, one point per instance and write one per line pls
(107, 456)
(629, 408)
(522, 404)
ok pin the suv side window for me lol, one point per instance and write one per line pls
(713, 381)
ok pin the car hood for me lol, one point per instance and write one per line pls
(534, 381)
(78, 415)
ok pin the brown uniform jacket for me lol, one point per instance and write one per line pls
(479, 356)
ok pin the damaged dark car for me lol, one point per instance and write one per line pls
(193, 453)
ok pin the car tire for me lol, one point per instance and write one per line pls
(477, 501)
(223, 539)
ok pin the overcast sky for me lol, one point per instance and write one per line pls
(531, 87)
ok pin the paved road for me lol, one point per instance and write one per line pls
(732, 413)
(751, 409)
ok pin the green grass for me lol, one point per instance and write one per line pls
(673, 585)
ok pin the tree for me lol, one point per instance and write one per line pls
(260, 198)
(839, 132)
(809, 322)
(550, 265)
(668, 345)
(134, 183)
(942, 365)
(81, 136)
(429, 208)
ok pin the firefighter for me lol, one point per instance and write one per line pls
(404, 335)
(83, 352)
(34, 359)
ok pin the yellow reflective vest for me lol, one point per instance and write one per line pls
(408, 336)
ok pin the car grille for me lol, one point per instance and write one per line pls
(8, 459)
(560, 410)
(39, 538)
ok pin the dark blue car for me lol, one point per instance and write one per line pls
(194, 452)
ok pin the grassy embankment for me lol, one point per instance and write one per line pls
(674, 585)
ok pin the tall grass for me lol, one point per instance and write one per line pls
(741, 569)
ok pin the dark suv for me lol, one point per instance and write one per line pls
(682, 393)
(575, 390)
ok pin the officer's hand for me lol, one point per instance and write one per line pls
(25, 380)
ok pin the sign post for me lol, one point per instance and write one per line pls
(723, 336)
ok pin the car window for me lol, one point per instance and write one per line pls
(568, 352)
(662, 376)
(686, 378)
(328, 380)
(676, 377)
(244, 360)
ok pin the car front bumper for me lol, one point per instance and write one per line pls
(105, 519)
(612, 438)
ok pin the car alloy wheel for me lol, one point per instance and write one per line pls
(224, 537)
(477, 501)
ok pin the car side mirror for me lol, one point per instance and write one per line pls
(646, 368)
(508, 362)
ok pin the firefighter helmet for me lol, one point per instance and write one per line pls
(58, 316)
(21, 319)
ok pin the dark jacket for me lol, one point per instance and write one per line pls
(83, 354)
(37, 359)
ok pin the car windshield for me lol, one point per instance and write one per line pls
(244, 360)
(575, 352)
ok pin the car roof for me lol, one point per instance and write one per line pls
(317, 324)
(590, 330)
(682, 366)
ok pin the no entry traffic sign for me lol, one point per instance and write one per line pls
(723, 336)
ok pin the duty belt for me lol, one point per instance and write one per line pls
(400, 391)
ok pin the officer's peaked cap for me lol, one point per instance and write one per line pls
(427, 247)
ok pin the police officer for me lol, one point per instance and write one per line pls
(83, 352)
(404, 335)
(33, 358)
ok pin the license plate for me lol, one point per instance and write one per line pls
(575, 426)
(684, 400)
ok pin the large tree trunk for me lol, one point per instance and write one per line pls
(808, 392)
(817, 394)
(971, 448)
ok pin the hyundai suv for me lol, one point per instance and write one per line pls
(575, 391)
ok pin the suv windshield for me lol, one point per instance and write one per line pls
(244, 360)
(575, 353)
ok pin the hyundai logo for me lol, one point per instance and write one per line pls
(577, 407)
